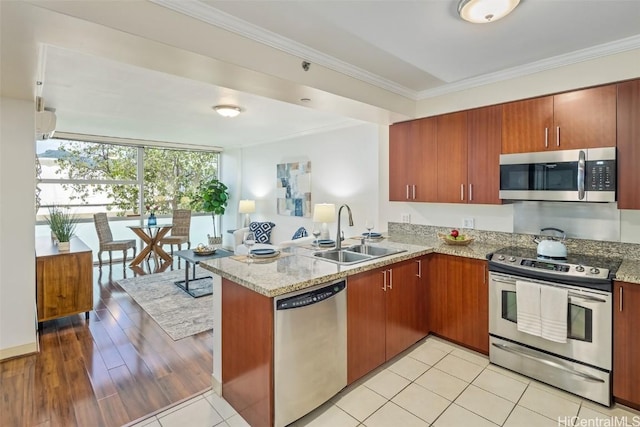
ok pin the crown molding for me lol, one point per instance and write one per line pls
(577, 56)
(213, 16)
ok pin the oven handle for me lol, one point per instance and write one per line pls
(571, 294)
(548, 362)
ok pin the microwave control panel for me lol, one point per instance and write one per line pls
(600, 175)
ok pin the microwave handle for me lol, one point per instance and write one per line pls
(581, 170)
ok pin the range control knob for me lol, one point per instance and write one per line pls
(500, 257)
(579, 268)
(594, 270)
(512, 259)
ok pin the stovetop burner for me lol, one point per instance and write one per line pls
(577, 269)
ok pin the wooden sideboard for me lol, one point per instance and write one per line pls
(64, 280)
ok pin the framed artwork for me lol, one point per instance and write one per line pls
(293, 189)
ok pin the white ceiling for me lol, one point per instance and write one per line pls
(416, 49)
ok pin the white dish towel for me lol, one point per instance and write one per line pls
(528, 308)
(554, 305)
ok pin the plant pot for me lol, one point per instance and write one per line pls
(64, 246)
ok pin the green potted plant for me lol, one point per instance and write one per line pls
(213, 197)
(63, 226)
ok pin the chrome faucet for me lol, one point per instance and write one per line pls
(338, 235)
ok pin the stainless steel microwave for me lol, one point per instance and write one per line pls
(587, 175)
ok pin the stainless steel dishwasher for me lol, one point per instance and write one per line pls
(310, 352)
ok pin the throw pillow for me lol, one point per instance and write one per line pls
(300, 233)
(262, 230)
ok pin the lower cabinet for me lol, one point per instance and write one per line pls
(626, 345)
(458, 300)
(386, 314)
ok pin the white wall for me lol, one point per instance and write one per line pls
(17, 217)
(344, 169)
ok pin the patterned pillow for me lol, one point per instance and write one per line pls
(262, 230)
(300, 233)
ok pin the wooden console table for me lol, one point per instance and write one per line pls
(64, 280)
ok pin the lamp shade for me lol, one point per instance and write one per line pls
(324, 212)
(484, 11)
(247, 206)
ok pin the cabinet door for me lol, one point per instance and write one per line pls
(527, 125)
(458, 300)
(452, 157)
(366, 320)
(629, 145)
(626, 345)
(402, 139)
(424, 169)
(585, 118)
(404, 318)
(484, 145)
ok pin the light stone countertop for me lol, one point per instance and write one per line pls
(629, 271)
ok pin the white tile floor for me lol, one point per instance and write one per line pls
(434, 383)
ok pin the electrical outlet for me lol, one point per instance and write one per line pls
(405, 218)
(468, 223)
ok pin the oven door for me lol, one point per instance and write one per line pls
(589, 323)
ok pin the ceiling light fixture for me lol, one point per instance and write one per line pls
(484, 11)
(227, 110)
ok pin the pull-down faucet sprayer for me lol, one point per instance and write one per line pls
(338, 235)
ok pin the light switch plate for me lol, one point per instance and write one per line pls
(468, 223)
(405, 218)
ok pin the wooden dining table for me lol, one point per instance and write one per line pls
(151, 236)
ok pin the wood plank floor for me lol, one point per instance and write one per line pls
(108, 371)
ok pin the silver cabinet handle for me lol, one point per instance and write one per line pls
(390, 279)
(620, 298)
(546, 137)
(419, 268)
(414, 191)
(384, 283)
(558, 136)
(407, 191)
(470, 192)
(461, 191)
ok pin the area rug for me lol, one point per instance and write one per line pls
(178, 313)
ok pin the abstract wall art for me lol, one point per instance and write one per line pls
(294, 189)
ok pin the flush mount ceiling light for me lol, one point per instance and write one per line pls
(227, 110)
(484, 11)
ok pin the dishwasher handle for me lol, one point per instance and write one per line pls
(312, 297)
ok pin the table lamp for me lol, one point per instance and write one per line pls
(324, 213)
(246, 207)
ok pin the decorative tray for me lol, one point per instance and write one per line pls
(202, 251)
(457, 242)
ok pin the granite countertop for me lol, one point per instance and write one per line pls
(298, 268)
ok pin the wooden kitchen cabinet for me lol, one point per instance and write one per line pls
(452, 157)
(64, 280)
(484, 130)
(580, 119)
(626, 345)
(386, 314)
(412, 159)
(458, 300)
(628, 144)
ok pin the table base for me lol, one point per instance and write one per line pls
(196, 293)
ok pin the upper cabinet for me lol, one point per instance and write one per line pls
(452, 158)
(412, 161)
(484, 130)
(629, 145)
(579, 119)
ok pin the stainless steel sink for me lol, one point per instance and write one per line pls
(356, 254)
(375, 251)
(342, 256)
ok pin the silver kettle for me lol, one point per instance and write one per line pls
(551, 247)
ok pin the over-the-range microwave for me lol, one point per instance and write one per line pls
(587, 175)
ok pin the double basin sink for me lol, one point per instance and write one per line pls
(355, 254)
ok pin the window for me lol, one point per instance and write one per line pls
(94, 177)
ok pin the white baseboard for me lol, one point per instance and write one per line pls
(216, 386)
(21, 350)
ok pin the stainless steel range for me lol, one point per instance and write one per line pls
(579, 362)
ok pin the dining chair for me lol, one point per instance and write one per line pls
(106, 239)
(180, 231)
